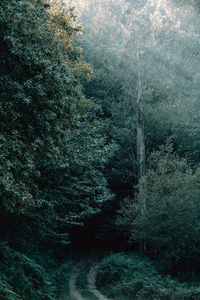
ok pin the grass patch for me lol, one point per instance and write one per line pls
(122, 298)
(62, 278)
(81, 281)
(88, 295)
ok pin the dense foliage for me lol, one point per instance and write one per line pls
(52, 147)
(122, 275)
(70, 173)
(170, 225)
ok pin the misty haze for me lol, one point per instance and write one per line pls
(100, 150)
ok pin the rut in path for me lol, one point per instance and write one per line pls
(92, 282)
(72, 284)
(91, 279)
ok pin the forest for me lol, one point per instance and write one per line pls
(99, 149)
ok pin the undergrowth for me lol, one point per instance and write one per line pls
(81, 281)
(39, 277)
(137, 278)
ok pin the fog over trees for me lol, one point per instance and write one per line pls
(99, 147)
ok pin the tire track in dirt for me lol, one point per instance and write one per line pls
(74, 292)
(91, 278)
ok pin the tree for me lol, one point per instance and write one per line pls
(34, 112)
(44, 111)
(53, 149)
(146, 54)
(170, 224)
(152, 28)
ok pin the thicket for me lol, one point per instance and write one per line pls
(170, 224)
(68, 146)
(129, 275)
(167, 62)
(52, 148)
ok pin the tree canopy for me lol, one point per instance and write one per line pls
(99, 116)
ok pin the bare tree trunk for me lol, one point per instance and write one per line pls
(141, 157)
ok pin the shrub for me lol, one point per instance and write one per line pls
(170, 224)
(23, 278)
(137, 278)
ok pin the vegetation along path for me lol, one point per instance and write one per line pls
(74, 293)
(91, 280)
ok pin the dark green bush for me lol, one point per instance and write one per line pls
(23, 278)
(170, 225)
(137, 278)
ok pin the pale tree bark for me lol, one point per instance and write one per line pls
(141, 156)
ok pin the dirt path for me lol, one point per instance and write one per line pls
(91, 279)
(74, 293)
(92, 283)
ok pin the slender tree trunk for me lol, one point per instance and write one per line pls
(141, 157)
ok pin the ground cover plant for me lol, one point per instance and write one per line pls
(137, 278)
(99, 148)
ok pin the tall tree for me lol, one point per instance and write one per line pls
(52, 145)
(171, 222)
(150, 40)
